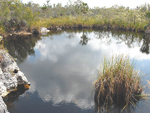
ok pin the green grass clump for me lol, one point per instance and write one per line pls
(118, 82)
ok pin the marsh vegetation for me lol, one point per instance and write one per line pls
(118, 83)
(16, 16)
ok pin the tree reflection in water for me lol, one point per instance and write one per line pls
(145, 45)
(84, 39)
(21, 46)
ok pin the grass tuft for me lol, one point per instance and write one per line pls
(118, 82)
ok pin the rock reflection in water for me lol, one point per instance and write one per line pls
(13, 96)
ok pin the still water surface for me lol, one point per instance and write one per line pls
(62, 67)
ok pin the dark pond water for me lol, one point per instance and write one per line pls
(62, 67)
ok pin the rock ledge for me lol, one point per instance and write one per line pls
(10, 77)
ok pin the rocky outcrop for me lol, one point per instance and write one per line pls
(3, 107)
(10, 77)
(44, 30)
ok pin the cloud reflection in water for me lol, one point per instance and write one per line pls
(63, 71)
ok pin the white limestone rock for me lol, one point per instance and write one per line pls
(10, 77)
(44, 30)
(3, 107)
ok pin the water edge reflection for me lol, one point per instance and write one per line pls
(62, 71)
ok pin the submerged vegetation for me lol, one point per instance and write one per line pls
(118, 83)
(16, 16)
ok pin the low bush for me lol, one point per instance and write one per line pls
(118, 82)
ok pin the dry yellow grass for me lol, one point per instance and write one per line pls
(118, 82)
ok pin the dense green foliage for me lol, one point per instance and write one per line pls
(16, 16)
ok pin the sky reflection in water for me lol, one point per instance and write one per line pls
(64, 67)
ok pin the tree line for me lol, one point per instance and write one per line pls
(16, 16)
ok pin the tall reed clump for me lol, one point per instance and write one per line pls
(118, 82)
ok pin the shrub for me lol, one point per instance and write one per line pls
(118, 82)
